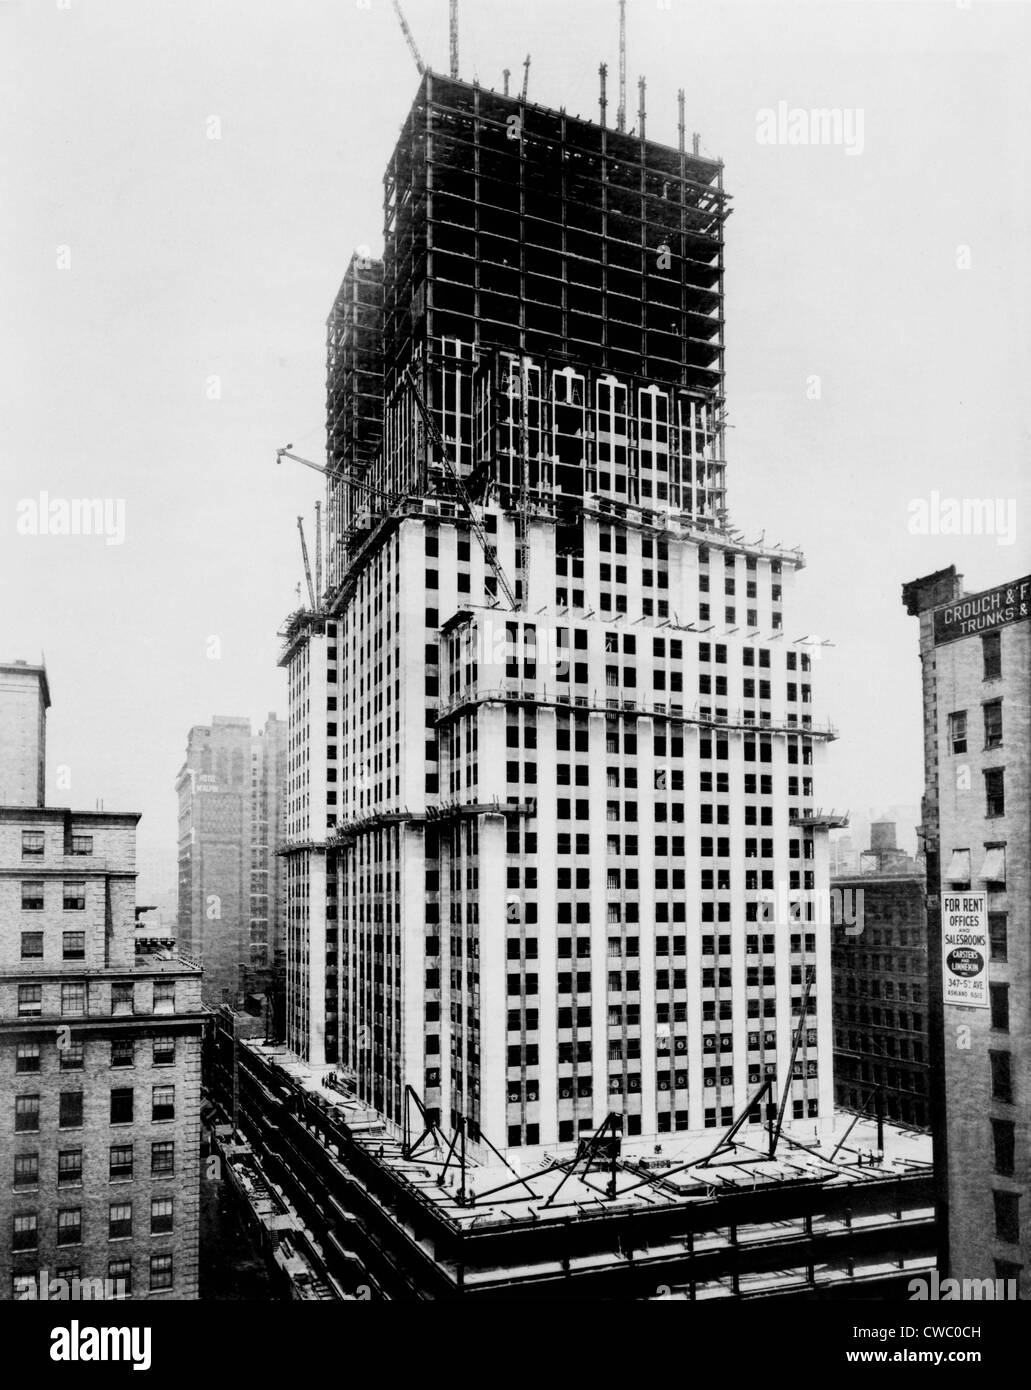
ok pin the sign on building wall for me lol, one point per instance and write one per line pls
(977, 613)
(965, 949)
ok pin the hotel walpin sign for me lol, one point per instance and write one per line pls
(965, 949)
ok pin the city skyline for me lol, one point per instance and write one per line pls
(207, 624)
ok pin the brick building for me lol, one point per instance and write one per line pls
(975, 652)
(100, 1066)
(881, 1024)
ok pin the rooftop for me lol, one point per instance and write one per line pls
(540, 1186)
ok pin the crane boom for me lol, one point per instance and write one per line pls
(282, 454)
(413, 47)
(526, 76)
(489, 551)
(307, 566)
(454, 38)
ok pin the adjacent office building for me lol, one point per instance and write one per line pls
(975, 652)
(99, 1054)
(231, 886)
(551, 745)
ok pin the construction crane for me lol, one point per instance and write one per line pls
(307, 566)
(489, 551)
(285, 453)
(454, 38)
(412, 46)
(526, 76)
(621, 109)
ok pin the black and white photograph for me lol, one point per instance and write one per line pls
(515, 678)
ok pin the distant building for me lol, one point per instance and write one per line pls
(881, 1038)
(975, 654)
(231, 909)
(99, 1055)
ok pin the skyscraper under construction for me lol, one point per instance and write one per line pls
(551, 750)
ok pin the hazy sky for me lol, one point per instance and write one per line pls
(166, 294)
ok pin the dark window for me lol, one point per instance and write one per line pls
(70, 1113)
(1002, 1076)
(999, 997)
(991, 650)
(1003, 1136)
(121, 1105)
(1007, 1217)
(994, 792)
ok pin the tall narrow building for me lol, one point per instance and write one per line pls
(100, 1060)
(231, 885)
(975, 654)
(552, 754)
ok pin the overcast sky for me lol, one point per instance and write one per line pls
(185, 181)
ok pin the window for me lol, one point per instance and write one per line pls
(30, 1001)
(999, 998)
(27, 1057)
(160, 1272)
(70, 1110)
(74, 945)
(25, 1233)
(997, 935)
(119, 1275)
(162, 1158)
(119, 1222)
(26, 1170)
(1002, 1076)
(994, 791)
(123, 1052)
(121, 998)
(1003, 1136)
(69, 1168)
(26, 1114)
(161, 1221)
(163, 1105)
(164, 1051)
(69, 1226)
(991, 652)
(32, 895)
(121, 1105)
(32, 844)
(73, 999)
(71, 1055)
(120, 1162)
(32, 945)
(82, 844)
(958, 731)
(1007, 1217)
(75, 895)
(164, 996)
(993, 724)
